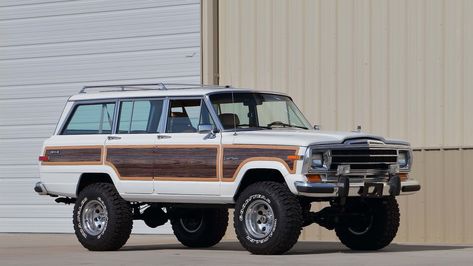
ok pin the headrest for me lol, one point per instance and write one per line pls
(178, 114)
(228, 119)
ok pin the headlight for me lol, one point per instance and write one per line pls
(320, 160)
(403, 159)
(317, 160)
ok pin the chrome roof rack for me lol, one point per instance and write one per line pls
(149, 86)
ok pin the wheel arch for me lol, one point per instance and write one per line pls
(86, 179)
(258, 174)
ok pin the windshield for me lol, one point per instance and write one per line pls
(257, 111)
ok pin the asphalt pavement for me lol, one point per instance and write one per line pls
(64, 249)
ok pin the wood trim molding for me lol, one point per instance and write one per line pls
(219, 159)
(86, 161)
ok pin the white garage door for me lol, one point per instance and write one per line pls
(49, 49)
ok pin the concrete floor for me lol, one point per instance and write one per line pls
(63, 249)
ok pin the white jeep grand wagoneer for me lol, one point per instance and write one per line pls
(186, 154)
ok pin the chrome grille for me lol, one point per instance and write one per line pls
(364, 159)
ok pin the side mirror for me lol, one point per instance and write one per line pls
(204, 128)
(317, 127)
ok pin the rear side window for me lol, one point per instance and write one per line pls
(140, 116)
(91, 119)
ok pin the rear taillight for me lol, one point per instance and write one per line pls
(43, 158)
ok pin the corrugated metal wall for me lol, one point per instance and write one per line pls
(399, 68)
(48, 51)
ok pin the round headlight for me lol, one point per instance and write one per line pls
(402, 159)
(317, 160)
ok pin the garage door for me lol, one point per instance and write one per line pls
(49, 49)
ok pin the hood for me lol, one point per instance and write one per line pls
(294, 137)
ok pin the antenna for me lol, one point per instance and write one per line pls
(233, 114)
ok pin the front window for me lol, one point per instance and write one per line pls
(185, 116)
(257, 111)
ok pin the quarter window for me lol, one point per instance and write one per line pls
(91, 119)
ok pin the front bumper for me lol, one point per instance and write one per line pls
(349, 189)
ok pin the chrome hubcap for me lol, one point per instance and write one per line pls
(94, 217)
(259, 219)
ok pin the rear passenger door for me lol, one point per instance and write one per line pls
(131, 150)
(186, 160)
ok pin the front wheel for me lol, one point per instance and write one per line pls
(374, 228)
(199, 228)
(102, 219)
(268, 218)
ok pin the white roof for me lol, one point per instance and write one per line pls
(199, 91)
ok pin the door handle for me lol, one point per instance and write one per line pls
(164, 137)
(113, 137)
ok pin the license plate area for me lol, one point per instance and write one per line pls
(371, 190)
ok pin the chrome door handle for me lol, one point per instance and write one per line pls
(113, 137)
(164, 137)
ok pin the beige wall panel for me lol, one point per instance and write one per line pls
(414, 211)
(453, 83)
(328, 64)
(453, 177)
(434, 72)
(362, 66)
(467, 77)
(311, 68)
(263, 56)
(400, 68)
(415, 63)
(434, 203)
(344, 80)
(468, 196)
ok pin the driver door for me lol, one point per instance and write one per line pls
(186, 159)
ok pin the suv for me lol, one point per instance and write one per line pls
(186, 154)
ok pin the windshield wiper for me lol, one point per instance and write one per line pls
(278, 123)
(250, 127)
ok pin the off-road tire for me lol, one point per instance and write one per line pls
(287, 221)
(211, 229)
(119, 223)
(383, 226)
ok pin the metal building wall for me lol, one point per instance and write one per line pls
(48, 51)
(399, 68)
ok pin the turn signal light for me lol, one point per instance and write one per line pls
(43, 158)
(294, 157)
(403, 177)
(312, 178)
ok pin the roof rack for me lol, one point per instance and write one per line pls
(149, 86)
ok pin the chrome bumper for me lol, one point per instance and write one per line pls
(371, 189)
(40, 189)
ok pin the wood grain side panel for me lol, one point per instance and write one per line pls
(235, 157)
(132, 162)
(186, 162)
(73, 155)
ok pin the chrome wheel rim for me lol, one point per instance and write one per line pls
(94, 217)
(259, 219)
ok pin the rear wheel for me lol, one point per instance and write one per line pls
(268, 218)
(102, 219)
(199, 228)
(374, 228)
